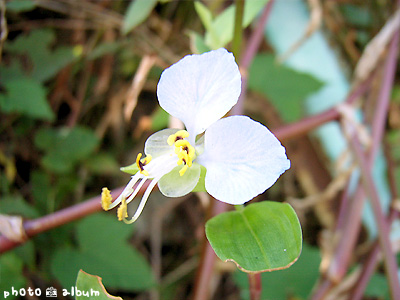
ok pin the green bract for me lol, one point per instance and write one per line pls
(262, 237)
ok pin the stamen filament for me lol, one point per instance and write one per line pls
(142, 202)
(136, 191)
(127, 190)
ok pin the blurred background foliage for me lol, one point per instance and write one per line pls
(77, 101)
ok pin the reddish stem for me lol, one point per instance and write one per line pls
(349, 220)
(61, 217)
(255, 286)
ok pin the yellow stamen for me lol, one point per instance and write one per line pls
(122, 211)
(183, 170)
(179, 135)
(183, 145)
(185, 152)
(147, 159)
(106, 198)
(140, 164)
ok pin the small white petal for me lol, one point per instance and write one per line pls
(174, 185)
(200, 89)
(243, 159)
(156, 145)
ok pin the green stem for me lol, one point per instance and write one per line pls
(239, 207)
(237, 33)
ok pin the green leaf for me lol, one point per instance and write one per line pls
(378, 287)
(205, 15)
(42, 190)
(27, 254)
(197, 43)
(296, 281)
(102, 163)
(103, 250)
(103, 49)
(26, 96)
(159, 119)
(46, 62)
(20, 5)
(65, 147)
(220, 32)
(16, 205)
(264, 236)
(207, 19)
(284, 87)
(357, 15)
(92, 284)
(11, 274)
(137, 12)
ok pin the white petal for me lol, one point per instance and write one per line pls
(243, 159)
(200, 89)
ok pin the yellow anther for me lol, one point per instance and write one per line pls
(183, 145)
(106, 198)
(140, 164)
(122, 211)
(179, 135)
(147, 159)
(185, 152)
(183, 170)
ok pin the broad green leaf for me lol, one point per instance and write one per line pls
(46, 62)
(91, 284)
(284, 87)
(264, 236)
(357, 15)
(103, 49)
(137, 12)
(378, 287)
(11, 274)
(113, 233)
(11, 71)
(26, 96)
(65, 147)
(20, 5)
(159, 119)
(16, 205)
(103, 250)
(222, 26)
(102, 163)
(207, 19)
(42, 190)
(197, 43)
(204, 14)
(27, 254)
(292, 283)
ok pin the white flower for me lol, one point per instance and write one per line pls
(242, 158)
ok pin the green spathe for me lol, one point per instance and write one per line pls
(262, 237)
